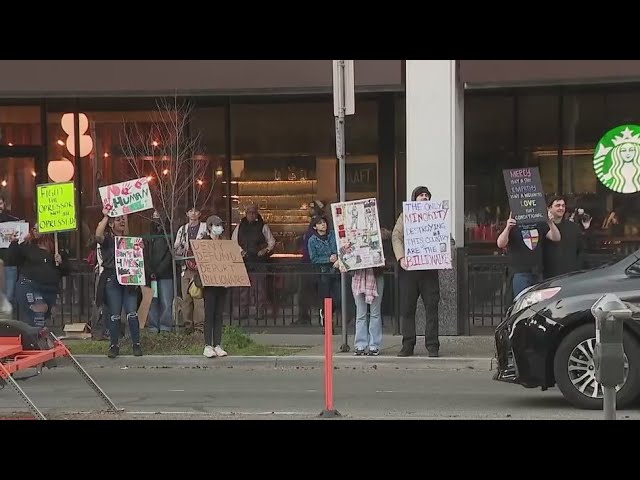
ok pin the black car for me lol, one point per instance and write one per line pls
(548, 336)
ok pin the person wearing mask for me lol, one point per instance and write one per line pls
(41, 270)
(567, 255)
(10, 270)
(524, 248)
(413, 285)
(214, 299)
(323, 253)
(193, 230)
(117, 297)
(160, 269)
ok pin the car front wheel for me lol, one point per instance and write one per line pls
(574, 370)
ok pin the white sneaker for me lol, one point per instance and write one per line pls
(209, 351)
(219, 351)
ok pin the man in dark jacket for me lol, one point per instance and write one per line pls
(567, 255)
(413, 285)
(257, 243)
(160, 271)
(10, 268)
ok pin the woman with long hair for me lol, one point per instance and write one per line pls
(41, 270)
(109, 291)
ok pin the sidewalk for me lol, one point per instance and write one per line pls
(457, 352)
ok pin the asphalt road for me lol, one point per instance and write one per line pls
(248, 393)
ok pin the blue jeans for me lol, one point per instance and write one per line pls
(160, 317)
(10, 280)
(524, 280)
(35, 302)
(118, 297)
(369, 337)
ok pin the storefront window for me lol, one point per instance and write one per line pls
(558, 133)
(18, 186)
(284, 157)
(20, 125)
(489, 131)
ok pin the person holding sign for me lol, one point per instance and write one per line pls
(41, 269)
(415, 284)
(523, 244)
(213, 301)
(110, 291)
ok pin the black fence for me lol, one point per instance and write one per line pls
(281, 295)
(485, 283)
(285, 296)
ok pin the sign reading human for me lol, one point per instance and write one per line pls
(616, 159)
(427, 239)
(126, 197)
(526, 195)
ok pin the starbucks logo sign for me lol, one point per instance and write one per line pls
(616, 160)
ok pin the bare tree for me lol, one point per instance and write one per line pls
(171, 158)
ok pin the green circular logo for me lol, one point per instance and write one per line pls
(616, 160)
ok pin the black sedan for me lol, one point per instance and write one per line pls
(548, 337)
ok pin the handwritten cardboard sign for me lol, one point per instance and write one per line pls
(357, 232)
(129, 258)
(427, 239)
(56, 207)
(220, 263)
(526, 196)
(126, 197)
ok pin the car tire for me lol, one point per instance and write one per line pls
(626, 394)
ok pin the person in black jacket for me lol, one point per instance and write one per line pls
(160, 271)
(567, 255)
(117, 297)
(41, 270)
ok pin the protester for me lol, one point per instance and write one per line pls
(413, 285)
(116, 296)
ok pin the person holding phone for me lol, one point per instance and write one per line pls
(567, 255)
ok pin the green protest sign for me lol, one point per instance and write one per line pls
(56, 207)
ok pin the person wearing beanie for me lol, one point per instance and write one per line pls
(415, 284)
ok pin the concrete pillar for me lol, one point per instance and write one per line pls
(435, 158)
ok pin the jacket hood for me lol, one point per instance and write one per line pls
(417, 191)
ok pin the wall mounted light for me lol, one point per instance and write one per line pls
(60, 170)
(86, 143)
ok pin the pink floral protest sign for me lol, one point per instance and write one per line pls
(129, 259)
(126, 197)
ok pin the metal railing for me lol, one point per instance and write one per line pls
(486, 278)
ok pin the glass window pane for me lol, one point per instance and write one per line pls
(20, 125)
(18, 186)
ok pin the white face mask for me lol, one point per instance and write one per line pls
(217, 229)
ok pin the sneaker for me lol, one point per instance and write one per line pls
(321, 317)
(209, 352)
(434, 352)
(114, 351)
(219, 351)
(374, 352)
(137, 351)
(358, 352)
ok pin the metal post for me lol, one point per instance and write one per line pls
(340, 152)
(609, 403)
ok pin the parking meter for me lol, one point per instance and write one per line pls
(609, 312)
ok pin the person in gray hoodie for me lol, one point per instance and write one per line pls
(415, 284)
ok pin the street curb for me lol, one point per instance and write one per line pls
(293, 361)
